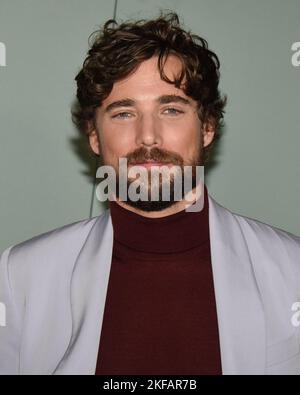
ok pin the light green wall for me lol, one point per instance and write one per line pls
(44, 174)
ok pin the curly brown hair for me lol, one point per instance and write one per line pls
(117, 51)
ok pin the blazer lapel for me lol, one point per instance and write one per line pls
(88, 294)
(239, 307)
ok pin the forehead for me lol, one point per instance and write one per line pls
(145, 82)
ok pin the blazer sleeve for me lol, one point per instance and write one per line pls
(10, 327)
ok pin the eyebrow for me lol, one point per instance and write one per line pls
(164, 99)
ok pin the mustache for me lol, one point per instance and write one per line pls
(155, 154)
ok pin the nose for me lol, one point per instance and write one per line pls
(148, 132)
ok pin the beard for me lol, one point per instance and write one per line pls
(175, 184)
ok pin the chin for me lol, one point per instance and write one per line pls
(150, 206)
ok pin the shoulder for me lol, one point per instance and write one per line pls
(274, 256)
(265, 233)
(254, 228)
(269, 247)
(44, 262)
(272, 250)
(53, 247)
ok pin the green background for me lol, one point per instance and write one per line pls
(46, 173)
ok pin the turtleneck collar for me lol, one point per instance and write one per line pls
(173, 233)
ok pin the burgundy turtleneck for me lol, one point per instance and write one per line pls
(160, 311)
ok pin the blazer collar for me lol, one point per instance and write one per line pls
(239, 308)
(240, 312)
(88, 290)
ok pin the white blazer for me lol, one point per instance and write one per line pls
(53, 290)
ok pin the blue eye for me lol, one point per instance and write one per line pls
(126, 115)
(119, 115)
(174, 111)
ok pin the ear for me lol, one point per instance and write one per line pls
(95, 141)
(208, 133)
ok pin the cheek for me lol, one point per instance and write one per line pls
(184, 138)
(115, 146)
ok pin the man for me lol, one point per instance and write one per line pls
(148, 287)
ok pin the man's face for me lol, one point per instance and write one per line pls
(155, 121)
